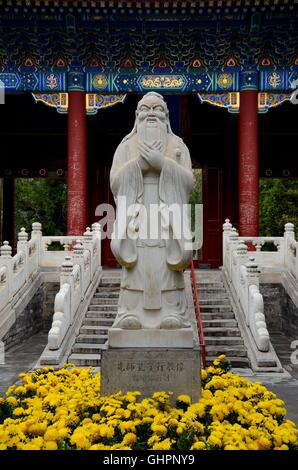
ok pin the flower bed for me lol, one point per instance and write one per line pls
(63, 409)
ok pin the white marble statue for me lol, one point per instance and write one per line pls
(152, 168)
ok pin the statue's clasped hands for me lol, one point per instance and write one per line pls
(151, 156)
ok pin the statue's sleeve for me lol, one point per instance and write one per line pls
(176, 183)
(126, 186)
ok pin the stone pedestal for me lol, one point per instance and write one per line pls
(151, 370)
(147, 338)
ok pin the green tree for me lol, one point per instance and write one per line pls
(278, 205)
(41, 200)
(196, 194)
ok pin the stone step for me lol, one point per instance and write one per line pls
(221, 331)
(109, 275)
(103, 308)
(88, 348)
(85, 359)
(210, 285)
(217, 315)
(285, 360)
(280, 339)
(99, 314)
(104, 301)
(215, 308)
(224, 340)
(215, 295)
(107, 290)
(110, 283)
(281, 346)
(94, 329)
(94, 339)
(230, 351)
(235, 361)
(108, 287)
(211, 290)
(214, 301)
(219, 323)
(104, 294)
(98, 321)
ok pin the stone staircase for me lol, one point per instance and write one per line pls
(86, 350)
(282, 345)
(221, 330)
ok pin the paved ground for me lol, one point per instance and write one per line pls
(21, 358)
(24, 357)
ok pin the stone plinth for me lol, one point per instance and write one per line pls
(151, 370)
(147, 338)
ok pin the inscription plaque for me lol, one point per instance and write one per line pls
(149, 371)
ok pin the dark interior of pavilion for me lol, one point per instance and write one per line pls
(34, 145)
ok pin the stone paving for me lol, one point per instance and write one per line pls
(23, 358)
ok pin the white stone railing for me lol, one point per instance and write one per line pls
(4, 291)
(34, 255)
(242, 272)
(285, 256)
(76, 274)
(291, 250)
(243, 269)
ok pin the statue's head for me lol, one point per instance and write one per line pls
(152, 107)
(152, 117)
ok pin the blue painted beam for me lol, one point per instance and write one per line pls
(173, 81)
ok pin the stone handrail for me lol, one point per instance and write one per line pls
(291, 250)
(243, 271)
(284, 258)
(33, 255)
(61, 318)
(4, 292)
(75, 278)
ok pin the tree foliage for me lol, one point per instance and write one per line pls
(44, 200)
(278, 205)
(41, 200)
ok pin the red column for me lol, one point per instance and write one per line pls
(248, 164)
(77, 165)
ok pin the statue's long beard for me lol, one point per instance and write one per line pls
(153, 131)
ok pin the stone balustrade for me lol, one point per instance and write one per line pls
(243, 260)
(271, 253)
(34, 255)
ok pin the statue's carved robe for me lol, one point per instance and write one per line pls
(152, 278)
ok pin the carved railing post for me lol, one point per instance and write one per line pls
(6, 260)
(256, 318)
(242, 250)
(78, 259)
(66, 270)
(23, 246)
(88, 245)
(37, 234)
(290, 250)
(231, 243)
(6, 250)
(227, 228)
(96, 229)
(253, 274)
